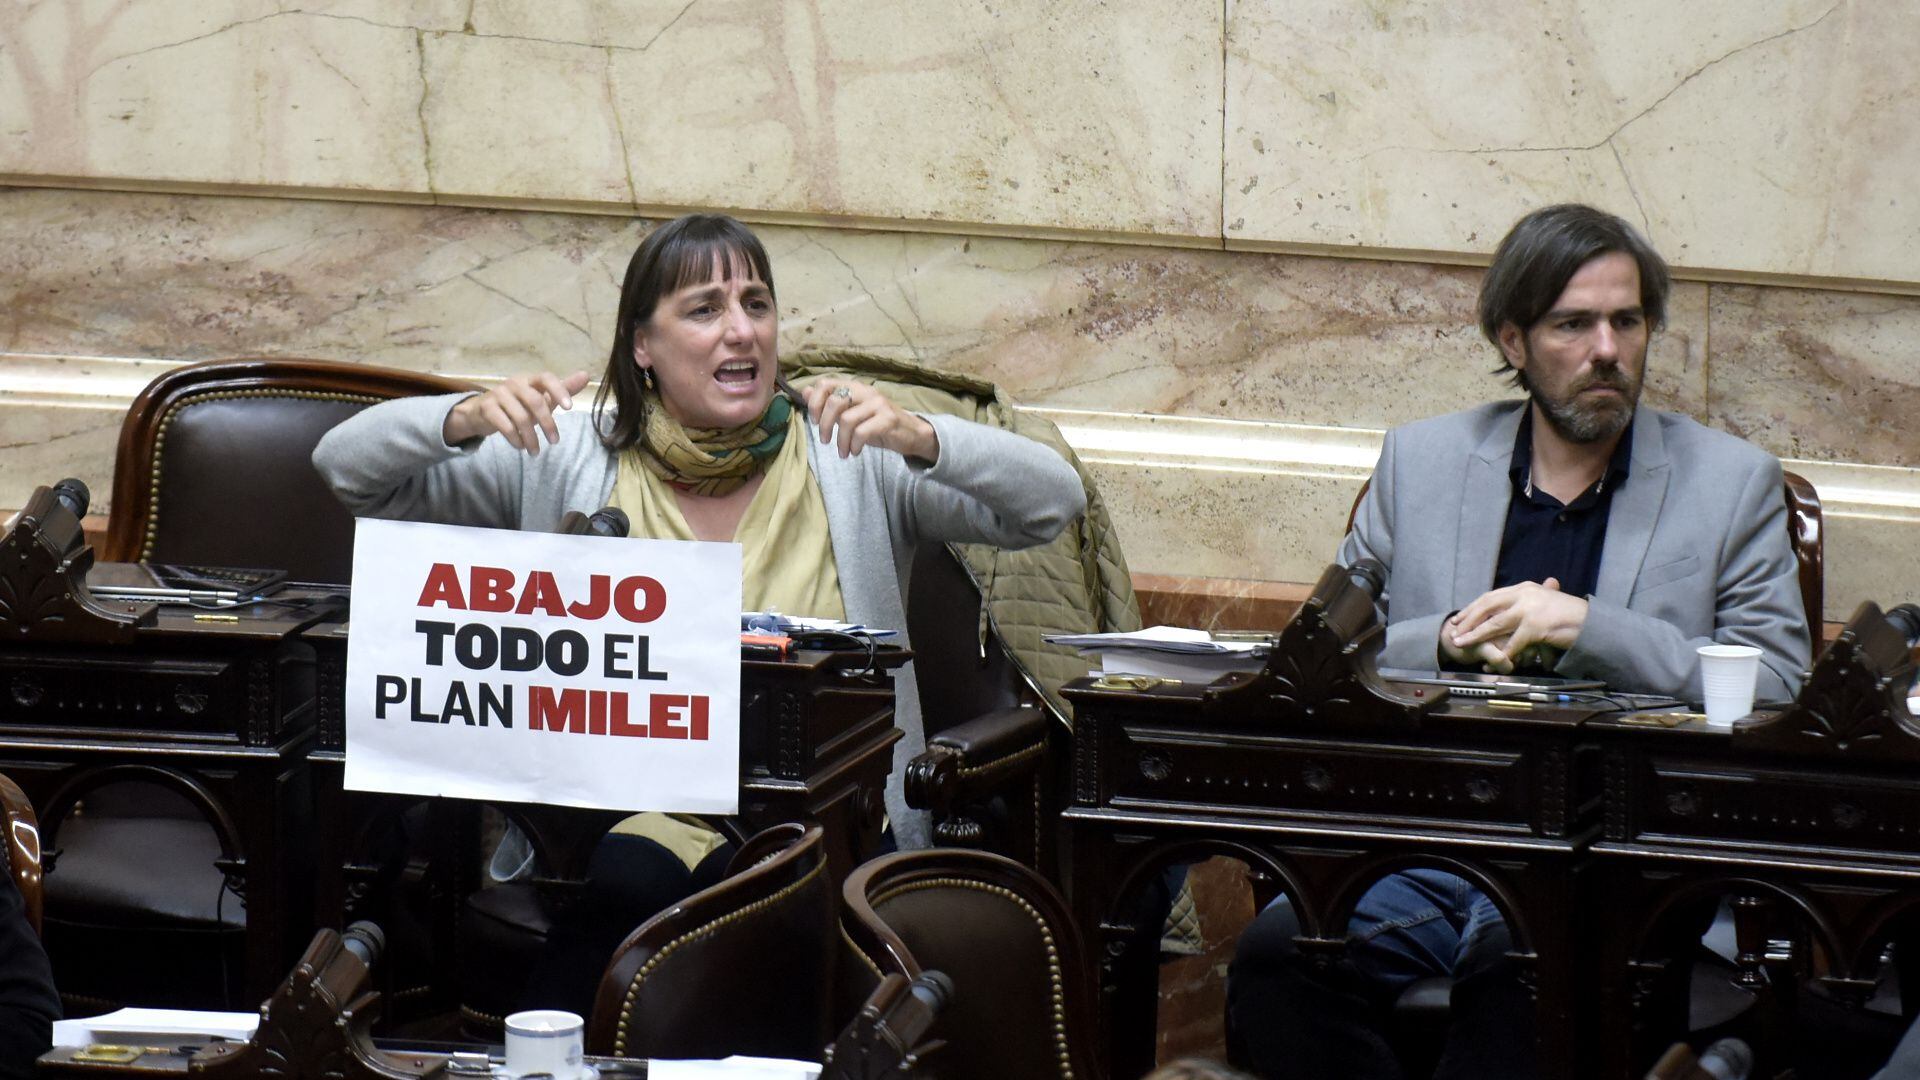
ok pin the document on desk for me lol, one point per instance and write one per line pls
(116, 1027)
(1167, 652)
(733, 1068)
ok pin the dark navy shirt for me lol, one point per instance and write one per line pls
(1548, 538)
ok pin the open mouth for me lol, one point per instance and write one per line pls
(737, 374)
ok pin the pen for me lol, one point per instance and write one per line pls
(216, 618)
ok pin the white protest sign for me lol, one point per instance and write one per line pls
(535, 667)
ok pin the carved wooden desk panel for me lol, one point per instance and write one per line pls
(1808, 818)
(816, 743)
(218, 710)
(1324, 801)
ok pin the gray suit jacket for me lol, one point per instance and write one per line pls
(1696, 550)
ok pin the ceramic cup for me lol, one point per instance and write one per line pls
(546, 1041)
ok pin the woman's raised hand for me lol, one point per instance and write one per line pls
(515, 408)
(859, 416)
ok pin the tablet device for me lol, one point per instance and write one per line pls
(1481, 684)
(172, 583)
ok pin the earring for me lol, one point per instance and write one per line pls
(646, 377)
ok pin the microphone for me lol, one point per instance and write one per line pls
(913, 1015)
(73, 495)
(607, 521)
(1728, 1059)
(365, 940)
(1906, 619)
(1369, 575)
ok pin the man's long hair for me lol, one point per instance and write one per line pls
(1543, 251)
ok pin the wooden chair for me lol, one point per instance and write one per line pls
(22, 848)
(985, 774)
(213, 468)
(214, 464)
(1023, 990)
(1806, 531)
(744, 967)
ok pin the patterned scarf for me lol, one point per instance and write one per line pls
(711, 461)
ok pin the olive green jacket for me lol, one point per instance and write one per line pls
(1077, 584)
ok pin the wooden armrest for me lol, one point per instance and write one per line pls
(980, 753)
(992, 737)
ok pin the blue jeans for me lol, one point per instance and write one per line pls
(1287, 1019)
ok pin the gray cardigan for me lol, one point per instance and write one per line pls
(989, 486)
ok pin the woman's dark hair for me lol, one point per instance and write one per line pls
(1532, 266)
(678, 254)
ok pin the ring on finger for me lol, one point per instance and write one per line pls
(842, 392)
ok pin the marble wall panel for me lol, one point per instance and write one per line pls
(41, 445)
(1871, 557)
(1157, 330)
(1830, 376)
(223, 92)
(1761, 137)
(1123, 329)
(1273, 526)
(1078, 115)
(194, 278)
(510, 118)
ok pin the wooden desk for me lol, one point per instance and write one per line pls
(1322, 802)
(317, 1026)
(219, 710)
(1808, 818)
(816, 744)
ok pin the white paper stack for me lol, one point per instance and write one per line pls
(115, 1027)
(1166, 652)
(733, 1068)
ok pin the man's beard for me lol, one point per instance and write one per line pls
(1591, 421)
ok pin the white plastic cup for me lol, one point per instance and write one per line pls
(1727, 677)
(546, 1041)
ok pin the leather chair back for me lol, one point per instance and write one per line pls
(1022, 988)
(22, 848)
(1806, 529)
(214, 464)
(986, 775)
(962, 672)
(744, 967)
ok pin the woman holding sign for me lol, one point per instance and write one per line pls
(693, 434)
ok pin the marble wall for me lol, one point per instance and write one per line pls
(1223, 245)
(1741, 136)
(1771, 138)
(1232, 397)
(1077, 114)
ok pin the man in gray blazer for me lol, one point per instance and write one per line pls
(1575, 533)
(1689, 545)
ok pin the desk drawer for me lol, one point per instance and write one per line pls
(249, 697)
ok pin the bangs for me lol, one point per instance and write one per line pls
(689, 258)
